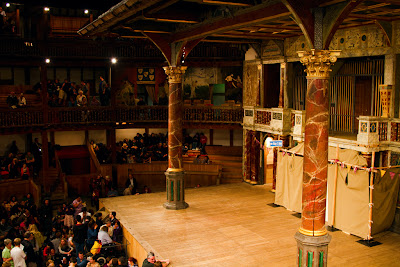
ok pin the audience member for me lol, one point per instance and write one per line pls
(151, 259)
(21, 101)
(12, 100)
(17, 254)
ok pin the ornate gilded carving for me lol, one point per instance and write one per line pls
(251, 88)
(175, 73)
(318, 62)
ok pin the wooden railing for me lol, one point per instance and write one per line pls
(112, 115)
(36, 192)
(263, 117)
(213, 114)
(61, 177)
(21, 117)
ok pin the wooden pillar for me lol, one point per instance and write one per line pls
(312, 237)
(175, 173)
(45, 145)
(86, 136)
(282, 85)
(231, 136)
(52, 138)
(17, 21)
(45, 162)
(111, 142)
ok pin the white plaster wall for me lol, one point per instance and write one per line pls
(34, 76)
(70, 138)
(250, 54)
(221, 137)
(6, 143)
(158, 130)
(206, 132)
(19, 76)
(61, 74)
(121, 134)
(98, 136)
(75, 75)
(238, 137)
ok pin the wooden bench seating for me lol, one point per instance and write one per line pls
(31, 100)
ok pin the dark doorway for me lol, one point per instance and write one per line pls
(271, 85)
(362, 97)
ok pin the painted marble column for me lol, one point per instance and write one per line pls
(312, 238)
(175, 174)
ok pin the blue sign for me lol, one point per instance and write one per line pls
(276, 143)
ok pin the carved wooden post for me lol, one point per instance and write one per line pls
(175, 173)
(312, 237)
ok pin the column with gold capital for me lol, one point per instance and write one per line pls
(175, 174)
(312, 237)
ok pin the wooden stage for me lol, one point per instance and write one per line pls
(232, 225)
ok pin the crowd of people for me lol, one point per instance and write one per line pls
(31, 236)
(70, 94)
(14, 101)
(145, 148)
(21, 165)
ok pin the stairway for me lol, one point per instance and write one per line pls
(231, 168)
(57, 189)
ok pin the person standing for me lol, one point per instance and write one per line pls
(3, 19)
(203, 142)
(17, 254)
(6, 253)
(80, 234)
(28, 249)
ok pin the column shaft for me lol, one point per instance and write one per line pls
(175, 184)
(312, 237)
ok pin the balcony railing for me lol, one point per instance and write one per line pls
(112, 115)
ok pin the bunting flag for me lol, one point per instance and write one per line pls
(284, 153)
(293, 155)
(342, 165)
(392, 174)
(355, 169)
(348, 168)
(383, 173)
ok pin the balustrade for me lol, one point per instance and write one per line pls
(21, 117)
(105, 115)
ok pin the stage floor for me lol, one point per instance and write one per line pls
(232, 225)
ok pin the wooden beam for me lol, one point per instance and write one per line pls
(227, 2)
(301, 12)
(370, 17)
(126, 9)
(163, 43)
(386, 28)
(185, 49)
(335, 17)
(245, 19)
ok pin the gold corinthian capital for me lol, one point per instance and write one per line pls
(175, 73)
(318, 62)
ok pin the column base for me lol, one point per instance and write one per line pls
(175, 190)
(312, 250)
(175, 206)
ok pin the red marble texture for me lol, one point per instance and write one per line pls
(175, 136)
(315, 170)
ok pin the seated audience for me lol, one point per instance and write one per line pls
(12, 100)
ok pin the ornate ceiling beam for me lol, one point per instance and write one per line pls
(255, 16)
(334, 18)
(386, 28)
(302, 15)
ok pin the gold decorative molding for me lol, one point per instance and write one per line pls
(175, 73)
(313, 233)
(318, 62)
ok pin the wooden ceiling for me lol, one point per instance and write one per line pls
(228, 21)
